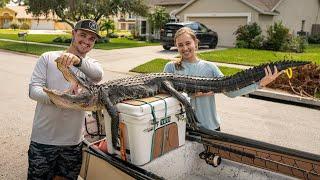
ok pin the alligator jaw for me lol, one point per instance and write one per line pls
(78, 97)
(83, 101)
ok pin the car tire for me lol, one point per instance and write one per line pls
(166, 47)
(213, 44)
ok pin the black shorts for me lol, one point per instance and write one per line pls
(47, 161)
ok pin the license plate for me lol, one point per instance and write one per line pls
(169, 34)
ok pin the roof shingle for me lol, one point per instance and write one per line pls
(264, 5)
(169, 2)
(22, 13)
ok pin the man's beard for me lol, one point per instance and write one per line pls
(79, 49)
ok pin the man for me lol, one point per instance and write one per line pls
(56, 138)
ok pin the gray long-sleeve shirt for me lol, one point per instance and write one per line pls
(53, 125)
(205, 106)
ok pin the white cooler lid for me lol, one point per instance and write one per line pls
(139, 108)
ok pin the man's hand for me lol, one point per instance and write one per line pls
(269, 76)
(198, 94)
(69, 59)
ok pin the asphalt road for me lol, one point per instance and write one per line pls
(285, 125)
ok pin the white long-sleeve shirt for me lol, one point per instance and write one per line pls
(53, 125)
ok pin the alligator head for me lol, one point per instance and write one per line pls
(80, 96)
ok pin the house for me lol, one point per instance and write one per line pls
(124, 21)
(225, 16)
(170, 5)
(19, 15)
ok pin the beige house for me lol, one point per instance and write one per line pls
(124, 21)
(225, 16)
(170, 5)
(19, 15)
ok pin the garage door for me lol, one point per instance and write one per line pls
(42, 25)
(224, 26)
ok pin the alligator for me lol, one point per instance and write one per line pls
(93, 97)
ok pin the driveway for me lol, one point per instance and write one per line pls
(123, 60)
(286, 125)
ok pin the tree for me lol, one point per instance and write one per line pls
(158, 18)
(3, 3)
(70, 11)
(107, 25)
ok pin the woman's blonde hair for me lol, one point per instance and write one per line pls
(184, 30)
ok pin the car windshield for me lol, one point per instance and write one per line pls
(193, 26)
(172, 27)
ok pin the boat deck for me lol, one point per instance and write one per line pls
(184, 163)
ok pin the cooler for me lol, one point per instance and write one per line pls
(150, 127)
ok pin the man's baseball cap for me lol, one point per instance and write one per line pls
(88, 25)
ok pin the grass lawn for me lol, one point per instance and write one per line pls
(42, 38)
(32, 49)
(256, 57)
(157, 65)
(119, 43)
(115, 43)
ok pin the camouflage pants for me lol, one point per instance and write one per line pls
(47, 161)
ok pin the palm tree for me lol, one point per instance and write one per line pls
(107, 25)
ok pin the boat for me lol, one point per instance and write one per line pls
(196, 154)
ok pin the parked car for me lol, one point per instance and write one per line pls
(205, 35)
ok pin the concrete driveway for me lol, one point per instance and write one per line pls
(285, 125)
(123, 60)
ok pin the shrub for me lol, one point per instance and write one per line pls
(67, 40)
(134, 33)
(62, 39)
(58, 39)
(277, 34)
(248, 36)
(314, 39)
(103, 40)
(113, 35)
(24, 26)
(142, 38)
(294, 44)
(14, 25)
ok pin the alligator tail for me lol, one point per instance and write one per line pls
(231, 83)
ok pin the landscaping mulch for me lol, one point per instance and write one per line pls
(305, 81)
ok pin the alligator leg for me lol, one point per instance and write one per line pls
(112, 111)
(191, 116)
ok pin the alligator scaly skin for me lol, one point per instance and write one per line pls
(147, 85)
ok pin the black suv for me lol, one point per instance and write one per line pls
(205, 35)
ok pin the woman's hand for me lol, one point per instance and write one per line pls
(269, 76)
(198, 94)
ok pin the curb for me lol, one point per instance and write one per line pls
(19, 53)
(284, 97)
(35, 43)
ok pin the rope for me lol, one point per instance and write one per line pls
(154, 125)
(289, 72)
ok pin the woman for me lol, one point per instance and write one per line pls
(190, 64)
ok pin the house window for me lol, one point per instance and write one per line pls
(123, 26)
(6, 20)
(143, 27)
(131, 16)
(131, 26)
